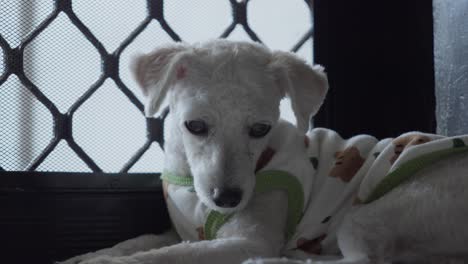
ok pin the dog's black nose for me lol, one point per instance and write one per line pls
(227, 197)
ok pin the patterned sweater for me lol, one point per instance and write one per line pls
(341, 174)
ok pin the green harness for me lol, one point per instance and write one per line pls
(265, 181)
(411, 167)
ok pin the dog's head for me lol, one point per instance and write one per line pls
(224, 100)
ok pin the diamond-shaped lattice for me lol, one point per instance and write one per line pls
(109, 128)
(151, 161)
(146, 41)
(278, 23)
(62, 158)
(239, 34)
(62, 63)
(112, 22)
(25, 126)
(19, 18)
(198, 20)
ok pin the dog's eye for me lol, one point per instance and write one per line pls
(259, 130)
(196, 127)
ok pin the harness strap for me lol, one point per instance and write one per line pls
(411, 167)
(177, 180)
(265, 181)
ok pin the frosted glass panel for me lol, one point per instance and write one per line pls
(198, 20)
(279, 23)
(451, 65)
(107, 20)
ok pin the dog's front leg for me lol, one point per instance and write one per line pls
(257, 231)
(225, 251)
(131, 246)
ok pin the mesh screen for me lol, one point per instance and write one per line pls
(2, 62)
(67, 99)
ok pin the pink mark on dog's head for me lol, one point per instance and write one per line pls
(181, 72)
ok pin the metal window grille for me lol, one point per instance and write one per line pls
(19, 71)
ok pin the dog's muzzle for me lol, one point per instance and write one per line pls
(226, 197)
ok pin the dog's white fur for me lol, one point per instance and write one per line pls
(232, 85)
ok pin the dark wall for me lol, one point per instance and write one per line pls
(379, 60)
(50, 216)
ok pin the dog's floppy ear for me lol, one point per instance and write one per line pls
(157, 71)
(306, 86)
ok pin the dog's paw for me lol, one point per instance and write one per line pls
(107, 260)
(69, 261)
(76, 260)
(275, 261)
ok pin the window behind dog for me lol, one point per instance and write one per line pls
(72, 105)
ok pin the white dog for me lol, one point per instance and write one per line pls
(242, 184)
